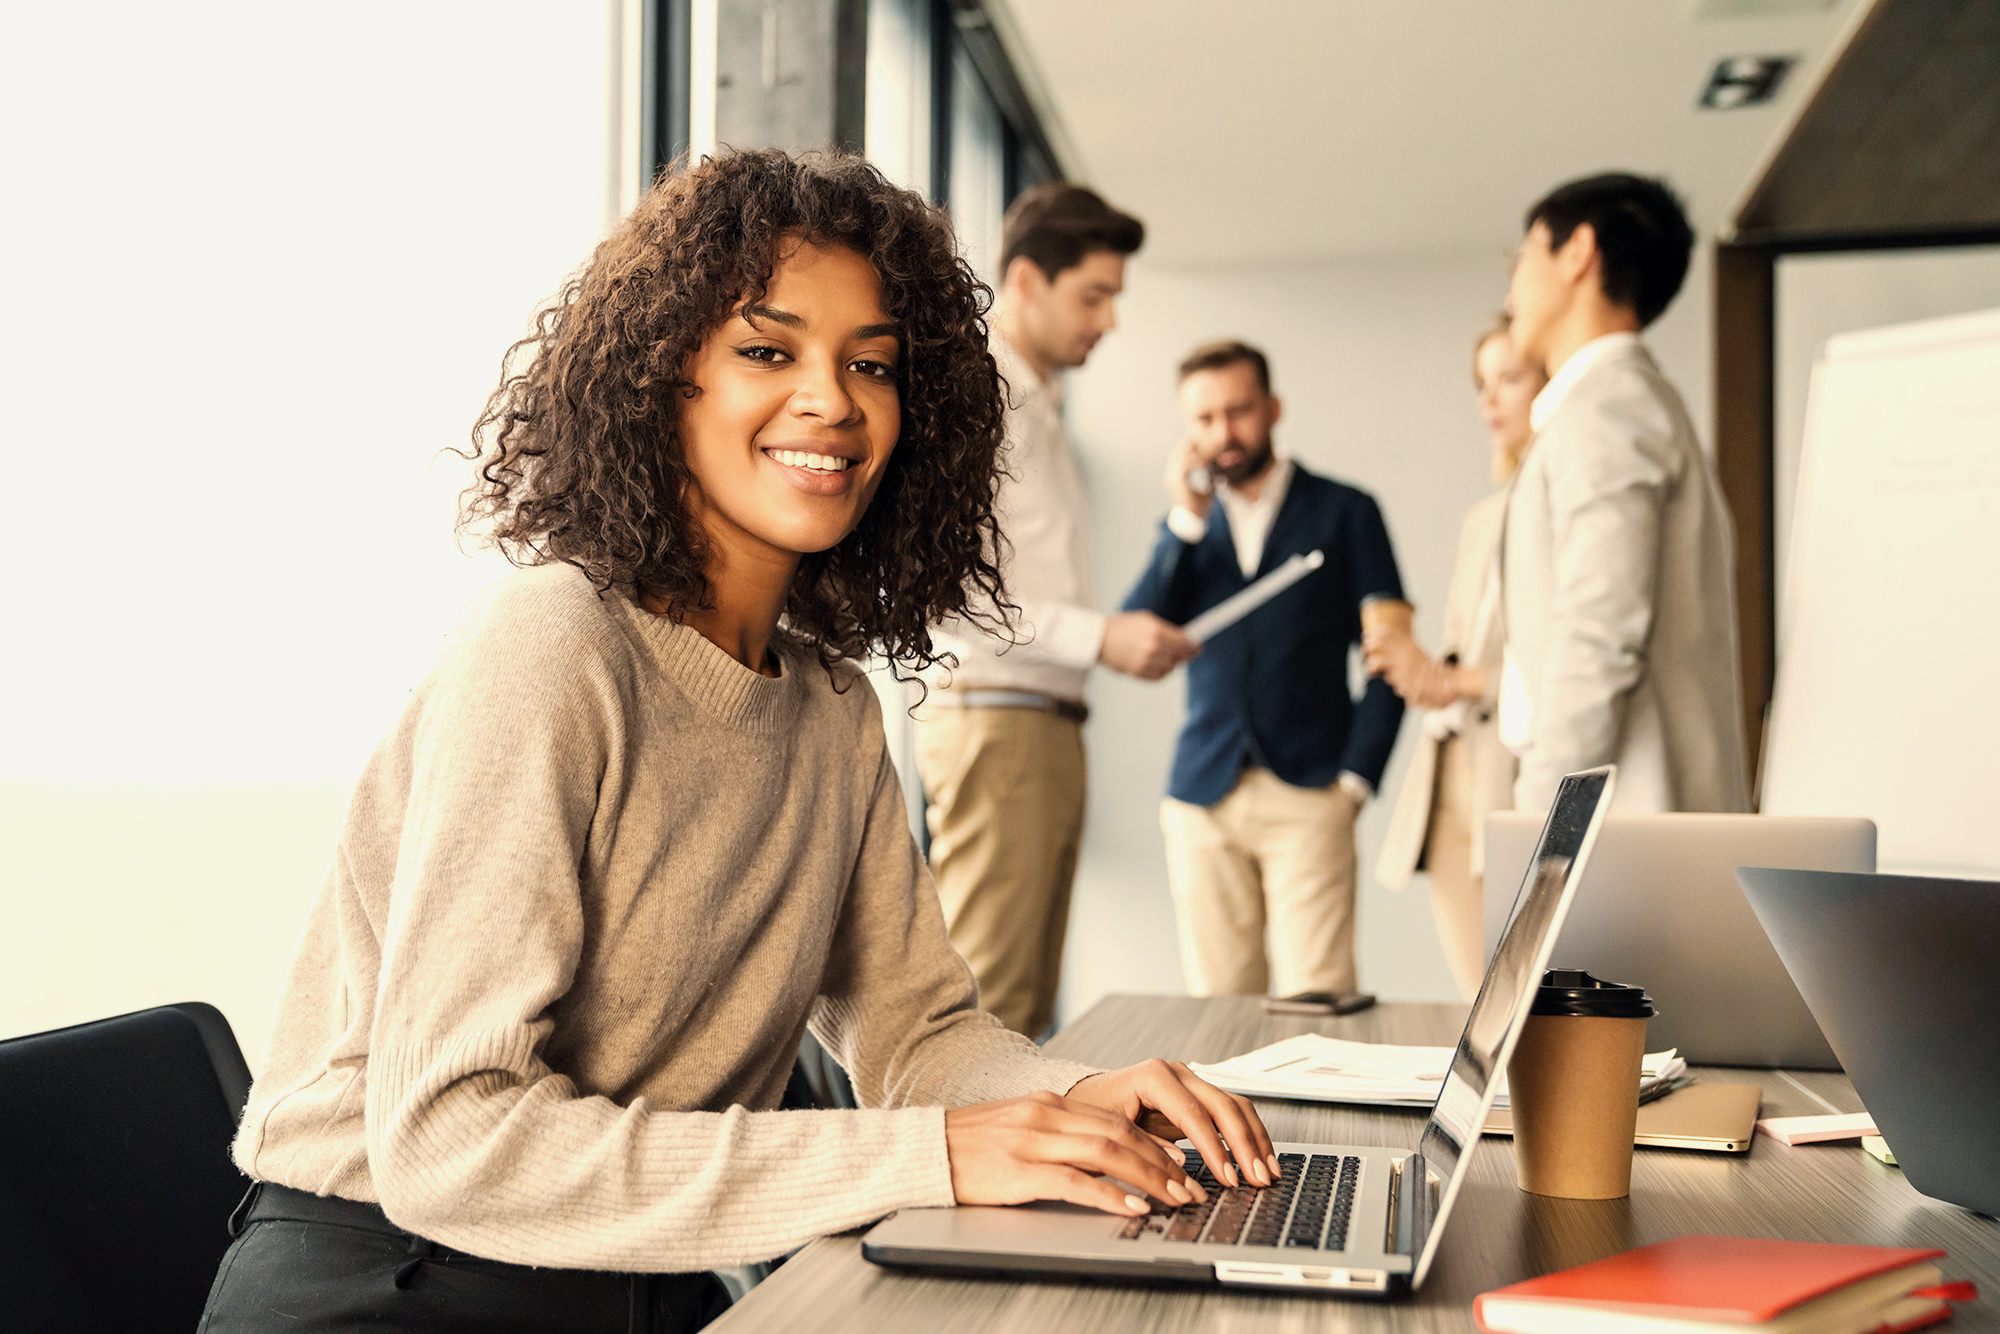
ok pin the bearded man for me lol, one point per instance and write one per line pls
(1277, 756)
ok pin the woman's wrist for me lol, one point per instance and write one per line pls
(1468, 682)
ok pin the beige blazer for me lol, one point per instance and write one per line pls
(1617, 569)
(1477, 642)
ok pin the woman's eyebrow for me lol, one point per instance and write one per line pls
(761, 312)
(773, 314)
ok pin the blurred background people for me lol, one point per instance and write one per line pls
(1617, 564)
(1460, 770)
(999, 739)
(1276, 757)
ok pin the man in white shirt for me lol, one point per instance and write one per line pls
(1617, 560)
(1000, 737)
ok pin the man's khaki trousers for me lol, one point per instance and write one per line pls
(1268, 863)
(1005, 792)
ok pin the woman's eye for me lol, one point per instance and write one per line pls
(760, 352)
(880, 370)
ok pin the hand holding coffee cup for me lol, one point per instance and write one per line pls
(1385, 615)
(1573, 1085)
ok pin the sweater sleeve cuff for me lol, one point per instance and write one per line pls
(1063, 1076)
(1015, 1074)
(1185, 524)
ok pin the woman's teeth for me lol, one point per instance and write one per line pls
(799, 458)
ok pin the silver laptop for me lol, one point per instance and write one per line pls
(1660, 909)
(1343, 1220)
(1900, 970)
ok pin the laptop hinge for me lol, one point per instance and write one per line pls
(1409, 1207)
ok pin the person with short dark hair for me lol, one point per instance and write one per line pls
(1276, 757)
(1618, 580)
(639, 829)
(1000, 736)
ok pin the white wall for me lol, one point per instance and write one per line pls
(1373, 362)
(260, 263)
(1823, 295)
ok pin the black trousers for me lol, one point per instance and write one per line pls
(312, 1265)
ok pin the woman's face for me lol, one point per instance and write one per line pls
(797, 411)
(1507, 389)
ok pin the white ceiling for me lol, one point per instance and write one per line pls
(1267, 130)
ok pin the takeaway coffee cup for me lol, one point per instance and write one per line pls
(1380, 612)
(1573, 1085)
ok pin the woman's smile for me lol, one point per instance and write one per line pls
(818, 469)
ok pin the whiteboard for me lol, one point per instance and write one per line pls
(1886, 703)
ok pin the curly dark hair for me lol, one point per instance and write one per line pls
(579, 452)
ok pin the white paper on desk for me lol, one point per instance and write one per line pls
(1315, 1068)
(1238, 605)
(1817, 1129)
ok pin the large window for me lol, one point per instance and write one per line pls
(977, 183)
(260, 262)
(901, 91)
(924, 87)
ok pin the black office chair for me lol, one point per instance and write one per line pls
(115, 1178)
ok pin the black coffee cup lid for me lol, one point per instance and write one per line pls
(1572, 991)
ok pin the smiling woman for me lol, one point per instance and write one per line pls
(778, 278)
(638, 831)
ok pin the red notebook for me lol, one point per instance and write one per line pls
(1729, 1281)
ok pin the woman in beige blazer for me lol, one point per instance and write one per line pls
(1460, 771)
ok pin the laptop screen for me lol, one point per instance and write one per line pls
(1508, 992)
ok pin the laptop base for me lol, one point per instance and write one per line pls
(1069, 1241)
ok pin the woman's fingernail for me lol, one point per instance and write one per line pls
(1178, 1155)
(1135, 1204)
(1260, 1172)
(1180, 1193)
(1276, 1171)
(1229, 1171)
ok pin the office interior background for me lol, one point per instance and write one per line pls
(261, 263)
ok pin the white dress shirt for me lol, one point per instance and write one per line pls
(1517, 704)
(1249, 529)
(1249, 520)
(1045, 518)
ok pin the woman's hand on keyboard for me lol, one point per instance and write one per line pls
(1201, 1112)
(1044, 1147)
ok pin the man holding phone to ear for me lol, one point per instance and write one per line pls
(1277, 757)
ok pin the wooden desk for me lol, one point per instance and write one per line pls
(1497, 1233)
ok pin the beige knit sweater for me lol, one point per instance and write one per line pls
(588, 894)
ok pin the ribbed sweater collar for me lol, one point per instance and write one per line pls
(724, 687)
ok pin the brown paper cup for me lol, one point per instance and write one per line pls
(1574, 1087)
(1379, 613)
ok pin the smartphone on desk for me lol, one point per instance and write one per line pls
(1319, 1002)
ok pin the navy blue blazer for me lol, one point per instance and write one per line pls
(1272, 689)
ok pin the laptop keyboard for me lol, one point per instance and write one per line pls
(1308, 1208)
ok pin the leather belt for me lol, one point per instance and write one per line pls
(1067, 709)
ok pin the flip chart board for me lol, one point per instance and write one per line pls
(1886, 703)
